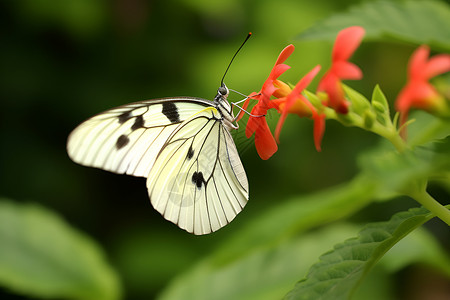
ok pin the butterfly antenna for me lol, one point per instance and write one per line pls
(246, 39)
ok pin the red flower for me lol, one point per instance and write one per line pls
(418, 92)
(257, 124)
(346, 43)
(295, 103)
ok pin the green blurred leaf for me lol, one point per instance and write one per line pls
(258, 262)
(255, 243)
(146, 268)
(339, 272)
(420, 246)
(42, 256)
(417, 22)
(379, 284)
(427, 128)
(267, 273)
(395, 171)
(384, 174)
(297, 215)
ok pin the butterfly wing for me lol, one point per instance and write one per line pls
(198, 181)
(127, 139)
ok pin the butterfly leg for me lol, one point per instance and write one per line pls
(230, 124)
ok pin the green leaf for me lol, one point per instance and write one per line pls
(394, 172)
(339, 271)
(267, 273)
(258, 261)
(417, 22)
(297, 215)
(359, 103)
(427, 128)
(268, 242)
(138, 259)
(420, 246)
(42, 256)
(381, 106)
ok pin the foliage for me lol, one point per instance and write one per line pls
(41, 255)
(339, 271)
(418, 22)
(298, 237)
(270, 269)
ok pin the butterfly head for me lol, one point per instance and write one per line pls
(222, 92)
(222, 95)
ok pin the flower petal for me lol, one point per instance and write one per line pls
(265, 144)
(306, 80)
(294, 95)
(277, 71)
(319, 130)
(257, 124)
(403, 100)
(346, 43)
(331, 85)
(437, 65)
(253, 122)
(282, 90)
(285, 53)
(336, 97)
(347, 70)
(417, 62)
(280, 125)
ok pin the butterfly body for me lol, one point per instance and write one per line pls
(183, 147)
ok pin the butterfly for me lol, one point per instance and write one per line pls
(184, 148)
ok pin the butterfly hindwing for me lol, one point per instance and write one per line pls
(198, 181)
(127, 139)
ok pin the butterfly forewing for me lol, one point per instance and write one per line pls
(195, 178)
(128, 138)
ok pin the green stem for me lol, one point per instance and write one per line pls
(421, 196)
(396, 140)
(388, 132)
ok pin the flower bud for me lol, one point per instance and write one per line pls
(369, 118)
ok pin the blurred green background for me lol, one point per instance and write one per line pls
(64, 61)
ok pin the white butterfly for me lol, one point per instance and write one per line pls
(183, 147)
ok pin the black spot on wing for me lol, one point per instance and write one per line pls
(190, 153)
(122, 141)
(124, 117)
(197, 179)
(170, 110)
(138, 123)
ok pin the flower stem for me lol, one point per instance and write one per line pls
(421, 196)
(396, 140)
(388, 132)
